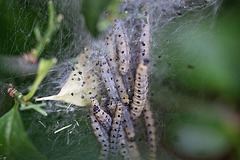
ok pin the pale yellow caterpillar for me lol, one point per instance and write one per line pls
(111, 105)
(133, 149)
(128, 80)
(123, 149)
(121, 89)
(144, 41)
(104, 119)
(108, 79)
(151, 130)
(111, 54)
(113, 63)
(140, 89)
(117, 122)
(128, 126)
(123, 48)
(102, 137)
(103, 100)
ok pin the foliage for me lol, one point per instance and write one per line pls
(14, 140)
(92, 11)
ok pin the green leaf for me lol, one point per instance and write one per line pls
(14, 142)
(43, 69)
(200, 58)
(92, 10)
(202, 133)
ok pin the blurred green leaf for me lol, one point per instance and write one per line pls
(92, 10)
(201, 56)
(213, 67)
(202, 133)
(14, 141)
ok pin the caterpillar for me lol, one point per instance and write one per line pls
(140, 89)
(112, 60)
(111, 53)
(102, 137)
(128, 126)
(123, 48)
(108, 78)
(144, 41)
(133, 149)
(111, 105)
(104, 119)
(103, 100)
(151, 130)
(123, 145)
(117, 122)
(121, 89)
(128, 80)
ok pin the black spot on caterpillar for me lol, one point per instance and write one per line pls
(108, 78)
(144, 42)
(128, 126)
(123, 149)
(123, 48)
(111, 105)
(113, 64)
(117, 122)
(128, 81)
(133, 149)
(102, 137)
(104, 118)
(111, 54)
(151, 130)
(140, 89)
(121, 89)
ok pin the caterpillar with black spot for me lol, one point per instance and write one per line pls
(144, 41)
(123, 48)
(107, 78)
(104, 118)
(111, 53)
(128, 126)
(128, 80)
(140, 89)
(103, 100)
(111, 105)
(113, 63)
(102, 137)
(151, 130)
(121, 89)
(123, 149)
(117, 122)
(133, 149)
